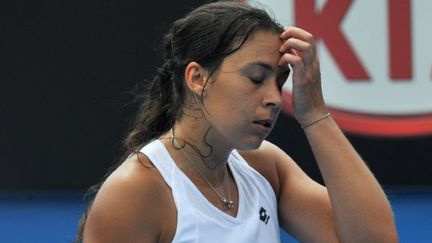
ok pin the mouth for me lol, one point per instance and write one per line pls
(264, 125)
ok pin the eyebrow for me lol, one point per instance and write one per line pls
(261, 64)
(266, 66)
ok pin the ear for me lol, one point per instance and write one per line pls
(196, 77)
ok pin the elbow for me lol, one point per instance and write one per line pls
(385, 237)
(372, 233)
(389, 230)
(390, 235)
(383, 230)
(384, 234)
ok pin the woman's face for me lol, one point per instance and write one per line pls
(243, 99)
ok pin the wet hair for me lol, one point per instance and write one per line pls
(207, 35)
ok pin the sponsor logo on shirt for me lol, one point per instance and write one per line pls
(263, 215)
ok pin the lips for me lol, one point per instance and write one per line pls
(264, 125)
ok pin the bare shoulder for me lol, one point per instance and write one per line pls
(130, 205)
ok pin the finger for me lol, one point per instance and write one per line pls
(291, 59)
(297, 33)
(305, 48)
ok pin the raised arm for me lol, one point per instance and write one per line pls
(360, 209)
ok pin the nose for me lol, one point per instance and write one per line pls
(273, 96)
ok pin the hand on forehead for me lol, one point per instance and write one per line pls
(263, 48)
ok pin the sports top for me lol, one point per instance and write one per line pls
(198, 220)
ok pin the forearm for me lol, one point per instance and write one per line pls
(361, 210)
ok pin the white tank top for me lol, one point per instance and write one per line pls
(200, 221)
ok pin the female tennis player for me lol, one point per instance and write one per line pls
(199, 168)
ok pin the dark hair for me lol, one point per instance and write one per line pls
(207, 35)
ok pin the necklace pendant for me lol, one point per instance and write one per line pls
(225, 202)
(228, 203)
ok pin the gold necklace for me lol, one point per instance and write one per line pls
(228, 203)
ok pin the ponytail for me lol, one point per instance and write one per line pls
(161, 106)
(162, 102)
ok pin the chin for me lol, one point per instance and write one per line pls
(250, 145)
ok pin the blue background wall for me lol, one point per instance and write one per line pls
(41, 216)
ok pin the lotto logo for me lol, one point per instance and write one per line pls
(263, 215)
(376, 61)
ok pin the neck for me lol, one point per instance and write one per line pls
(194, 145)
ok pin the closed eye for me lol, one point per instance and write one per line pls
(257, 80)
(258, 72)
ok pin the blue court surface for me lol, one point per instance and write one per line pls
(52, 216)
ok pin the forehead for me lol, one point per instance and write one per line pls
(262, 46)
